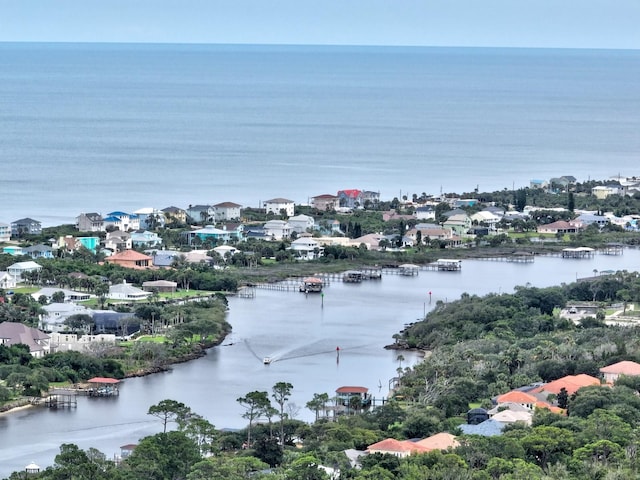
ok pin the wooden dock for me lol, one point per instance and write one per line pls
(62, 398)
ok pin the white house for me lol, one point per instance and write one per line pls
(145, 239)
(307, 248)
(17, 270)
(5, 232)
(302, 223)
(13, 333)
(7, 280)
(122, 221)
(63, 342)
(279, 205)
(486, 218)
(277, 229)
(226, 251)
(603, 191)
(57, 313)
(225, 211)
(125, 291)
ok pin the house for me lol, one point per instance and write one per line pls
(535, 183)
(121, 221)
(459, 223)
(611, 373)
(18, 270)
(518, 397)
(350, 198)
(277, 229)
(325, 202)
(150, 218)
(346, 396)
(397, 448)
(371, 241)
(130, 259)
(5, 232)
(603, 191)
(90, 222)
(7, 281)
(26, 226)
(69, 295)
(39, 251)
(510, 416)
(426, 212)
(200, 213)
(53, 320)
(175, 215)
(486, 218)
(117, 241)
(368, 196)
(225, 211)
(126, 291)
(70, 244)
(226, 251)
(14, 250)
(145, 239)
(439, 441)
(160, 286)
(302, 223)
(393, 215)
(571, 384)
(306, 248)
(587, 219)
(208, 234)
(280, 206)
(13, 333)
(65, 341)
(557, 227)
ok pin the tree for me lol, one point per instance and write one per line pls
(563, 398)
(170, 411)
(255, 403)
(281, 393)
(317, 403)
(164, 456)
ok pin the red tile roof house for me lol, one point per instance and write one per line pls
(571, 383)
(397, 448)
(130, 259)
(612, 372)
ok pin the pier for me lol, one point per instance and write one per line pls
(578, 253)
(516, 257)
(62, 398)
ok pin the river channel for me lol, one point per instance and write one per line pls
(300, 333)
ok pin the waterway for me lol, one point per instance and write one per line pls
(300, 332)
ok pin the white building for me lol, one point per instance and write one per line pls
(57, 313)
(279, 205)
(301, 223)
(225, 211)
(7, 280)
(307, 248)
(277, 229)
(17, 270)
(125, 291)
(63, 342)
(5, 232)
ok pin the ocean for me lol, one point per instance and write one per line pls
(104, 127)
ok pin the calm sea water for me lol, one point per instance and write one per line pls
(88, 127)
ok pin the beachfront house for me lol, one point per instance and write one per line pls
(25, 226)
(175, 215)
(350, 198)
(90, 222)
(225, 211)
(5, 232)
(200, 213)
(150, 218)
(280, 206)
(325, 202)
(121, 221)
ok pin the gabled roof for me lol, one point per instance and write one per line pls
(488, 428)
(15, 333)
(25, 265)
(278, 200)
(509, 416)
(25, 220)
(625, 367)
(351, 193)
(325, 196)
(227, 205)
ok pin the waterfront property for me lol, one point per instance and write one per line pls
(578, 253)
(353, 397)
(103, 387)
(13, 333)
(130, 259)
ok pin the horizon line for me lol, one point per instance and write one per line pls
(323, 45)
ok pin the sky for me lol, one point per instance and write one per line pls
(488, 23)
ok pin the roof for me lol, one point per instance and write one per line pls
(25, 265)
(278, 200)
(488, 428)
(351, 193)
(16, 333)
(129, 255)
(159, 283)
(227, 205)
(350, 389)
(393, 445)
(571, 383)
(625, 367)
(516, 396)
(103, 380)
(509, 416)
(439, 441)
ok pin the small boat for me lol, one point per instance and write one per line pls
(266, 360)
